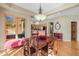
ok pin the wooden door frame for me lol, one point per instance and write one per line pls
(76, 30)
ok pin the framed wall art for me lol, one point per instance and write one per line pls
(57, 26)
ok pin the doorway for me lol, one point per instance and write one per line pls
(73, 30)
(38, 30)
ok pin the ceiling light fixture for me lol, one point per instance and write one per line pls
(40, 16)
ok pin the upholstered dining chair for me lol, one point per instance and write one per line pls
(44, 50)
(29, 50)
(32, 47)
(50, 45)
(26, 47)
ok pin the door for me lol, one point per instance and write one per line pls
(73, 30)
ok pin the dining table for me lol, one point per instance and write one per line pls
(38, 44)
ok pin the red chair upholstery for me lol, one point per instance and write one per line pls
(42, 37)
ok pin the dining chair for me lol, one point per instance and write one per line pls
(26, 47)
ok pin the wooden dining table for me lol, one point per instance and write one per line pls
(38, 43)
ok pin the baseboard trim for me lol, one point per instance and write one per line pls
(77, 40)
(67, 40)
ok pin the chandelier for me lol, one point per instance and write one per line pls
(40, 16)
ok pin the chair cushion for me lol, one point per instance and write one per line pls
(42, 37)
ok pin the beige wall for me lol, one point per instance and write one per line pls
(28, 27)
(2, 34)
(21, 13)
(65, 22)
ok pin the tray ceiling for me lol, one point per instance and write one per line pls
(34, 7)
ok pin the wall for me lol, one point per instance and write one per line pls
(24, 14)
(28, 27)
(65, 22)
(27, 17)
(68, 25)
(2, 33)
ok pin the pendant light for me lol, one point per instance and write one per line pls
(40, 16)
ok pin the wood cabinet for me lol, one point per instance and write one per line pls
(59, 36)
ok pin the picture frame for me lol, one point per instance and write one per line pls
(57, 26)
(51, 27)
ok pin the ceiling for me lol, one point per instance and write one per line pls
(47, 8)
(34, 7)
(50, 9)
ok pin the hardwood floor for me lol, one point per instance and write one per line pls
(61, 48)
(67, 48)
(18, 51)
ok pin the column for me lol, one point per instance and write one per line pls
(28, 27)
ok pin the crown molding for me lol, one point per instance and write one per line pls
(62, 8)
(17, 9)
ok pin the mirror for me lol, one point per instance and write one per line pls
(57, 26)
